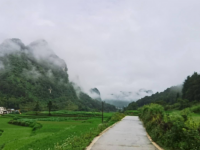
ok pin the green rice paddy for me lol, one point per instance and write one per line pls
(61, 127)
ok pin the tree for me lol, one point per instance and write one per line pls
(49, 105)
(37, 108)
(132, 106)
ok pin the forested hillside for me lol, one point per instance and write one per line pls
(168, 96)
(191, 88)
(34, 73)
(178, 97)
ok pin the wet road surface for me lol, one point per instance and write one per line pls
(128, 134)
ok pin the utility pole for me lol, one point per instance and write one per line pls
(102, 111)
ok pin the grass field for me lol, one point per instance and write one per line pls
(61, 127)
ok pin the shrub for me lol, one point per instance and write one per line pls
(117, 116)
(26, 122)
(103, 126)
(174, 131)
(37, 126)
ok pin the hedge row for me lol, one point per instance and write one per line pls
(173, 131)
(33, 124)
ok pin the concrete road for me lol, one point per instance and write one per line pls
(128, 134)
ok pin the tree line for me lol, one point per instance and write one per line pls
(176, 97)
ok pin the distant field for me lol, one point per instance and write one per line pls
(195, 116)
(61, 127)
(131, 112)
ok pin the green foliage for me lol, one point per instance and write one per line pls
(28, 123)
(191, 88)
(117, 116)
(37, 108)
(132, 106)
(1, 132)
(174, 131)
(195, 108)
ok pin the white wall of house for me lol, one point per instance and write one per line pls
(2, 109)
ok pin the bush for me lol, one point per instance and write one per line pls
(174, 131)
(37, 126)
(117, 116)
(26, 122)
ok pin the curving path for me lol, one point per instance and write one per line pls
(128, 134)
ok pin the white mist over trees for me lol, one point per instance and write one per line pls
(27, 74)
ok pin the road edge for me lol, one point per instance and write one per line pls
(150, 139)
(156, 145)
(97, 137)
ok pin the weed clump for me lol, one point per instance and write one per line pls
(117, 117)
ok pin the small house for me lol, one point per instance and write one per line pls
(3, 110)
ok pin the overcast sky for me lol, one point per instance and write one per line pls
(114, 45)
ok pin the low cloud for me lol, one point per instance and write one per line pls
(112, 45)
(31, 74)
(130, 95)
(10, 46)
(1, 65)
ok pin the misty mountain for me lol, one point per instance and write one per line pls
(123, 98)
(31, 73)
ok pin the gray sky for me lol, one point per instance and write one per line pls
(114, 45)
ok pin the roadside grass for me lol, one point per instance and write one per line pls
(56, 129)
